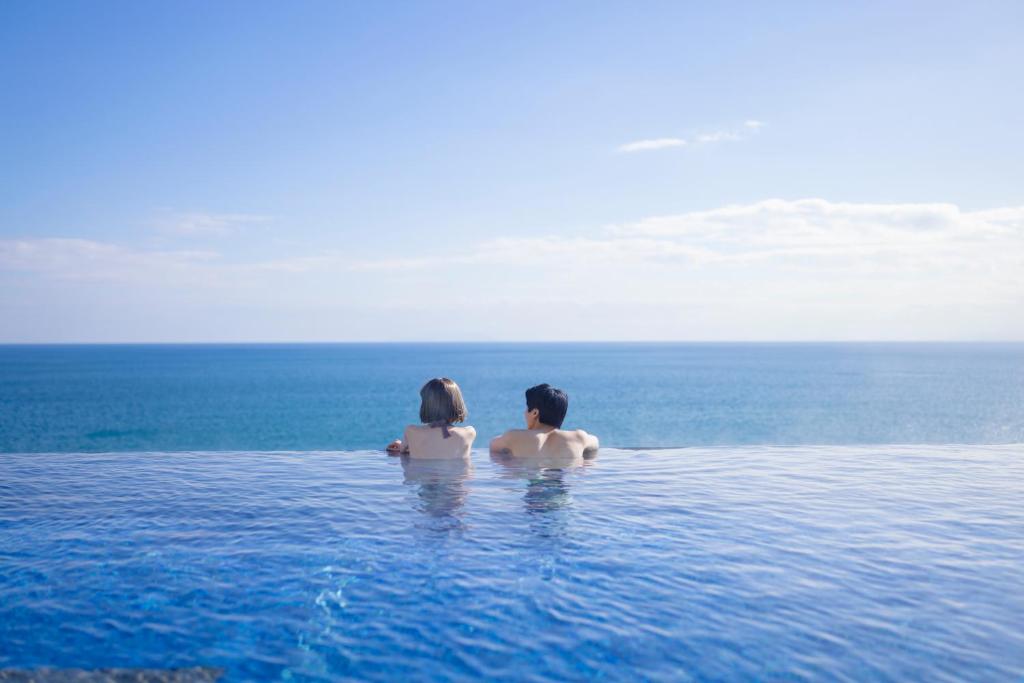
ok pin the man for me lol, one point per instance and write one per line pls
(545, 411)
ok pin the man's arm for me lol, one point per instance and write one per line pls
(501, 444)
(590, 443)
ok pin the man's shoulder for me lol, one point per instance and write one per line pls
(580, 437)
(516, 436)
(572, 433)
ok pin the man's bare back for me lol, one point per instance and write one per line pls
(543, 437)
(545, 442)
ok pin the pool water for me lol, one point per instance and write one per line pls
(839, 563)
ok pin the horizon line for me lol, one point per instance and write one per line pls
(511, 341)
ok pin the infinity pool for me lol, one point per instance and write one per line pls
(688, 564)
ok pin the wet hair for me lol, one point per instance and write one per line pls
(551, 404)
(441, 401)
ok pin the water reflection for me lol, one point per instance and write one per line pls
(547, 491)
(441, 486)
(548, 498)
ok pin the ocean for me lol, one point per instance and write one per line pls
(757, 512)
(360, 396)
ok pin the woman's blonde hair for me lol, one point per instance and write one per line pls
(441, 401)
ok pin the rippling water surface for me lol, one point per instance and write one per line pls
(742, 563)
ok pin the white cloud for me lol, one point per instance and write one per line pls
(777, 227)
(775, 269)
(717, 136)
(749, 127)
(80, 259)
(816, 232)
(770, 230)
(657, 143)
(199, 223)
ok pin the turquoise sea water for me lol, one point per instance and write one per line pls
(181, 506)
(350, 396)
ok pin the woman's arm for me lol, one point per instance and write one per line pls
(399, 446)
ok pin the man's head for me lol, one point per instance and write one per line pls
(545, 405)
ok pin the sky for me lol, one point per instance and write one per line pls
(516, 171)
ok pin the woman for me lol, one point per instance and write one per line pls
(441, 406)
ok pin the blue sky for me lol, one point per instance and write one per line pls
(333, 171)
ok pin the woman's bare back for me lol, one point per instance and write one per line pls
(424, 441)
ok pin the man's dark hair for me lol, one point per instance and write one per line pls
(551, 404)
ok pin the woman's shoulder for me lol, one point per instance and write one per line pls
(457, 429)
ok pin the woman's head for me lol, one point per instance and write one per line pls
(441, 401)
